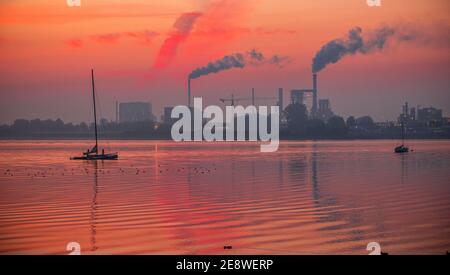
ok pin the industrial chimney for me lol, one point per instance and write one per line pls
(253, 96)
(280, 99)
(117, 111)
(189, 92)
(314, 107)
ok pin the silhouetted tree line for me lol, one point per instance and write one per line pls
(36, 128)
(298, 125)
(295, 124)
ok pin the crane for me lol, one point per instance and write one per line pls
(233, 100)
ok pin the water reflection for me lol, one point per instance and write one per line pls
(280, 172)
(319, 201)
(314, 180)
(93, 220)
(404, 167)
(309, 197)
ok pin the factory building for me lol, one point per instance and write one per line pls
(430, 116)
(297, 96)
(408, 114)
(324, 112)
(166, 117)
(135, 111)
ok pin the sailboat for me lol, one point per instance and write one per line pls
(402, 148)
(93, 154)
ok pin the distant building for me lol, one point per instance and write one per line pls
(324, 112)
(166, 117)
(297, 96)
(385, 124)
(135, 111)
(446, 120)
(412, 113)
(416, 117)
(408, 114)
(430, 116)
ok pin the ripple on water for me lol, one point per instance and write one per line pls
(309, 197)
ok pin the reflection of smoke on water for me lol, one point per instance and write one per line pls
(94, 209)
(320, 201)
(330, 205)
(315, 186)
(297, 169)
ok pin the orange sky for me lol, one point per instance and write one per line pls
(47, 49)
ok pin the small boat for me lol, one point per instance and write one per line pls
(402, 148)
(93, 154)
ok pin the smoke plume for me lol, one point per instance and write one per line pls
(356, 43)
(336, 49)
(238, 60)
(182, 28)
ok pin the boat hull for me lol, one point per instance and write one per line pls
(401, 149)
(112, 156)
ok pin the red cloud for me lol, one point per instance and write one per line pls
(231, 31)
(75, 43)
(109, 38)
(182, 28)
(218, 19)
(145, 37)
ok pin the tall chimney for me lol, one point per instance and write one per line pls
(189, 92)
(280, 99)
(253, 96)
(117, 111)
(314, 107)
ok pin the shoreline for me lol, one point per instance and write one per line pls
(166, 139)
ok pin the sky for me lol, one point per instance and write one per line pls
(145, 51)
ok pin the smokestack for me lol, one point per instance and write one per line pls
(189, 92)
(238, 60)
(117, 111)
(280, 99)
(314, 107)
(253, 96)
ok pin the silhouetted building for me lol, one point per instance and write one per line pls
(405, 109)
(166, 117)
(280, 99)
(117, 111)
(430, 116)
(447, 120)
(324, 112)
(135, 111)
(297, 96)
(412, 113)
(408, 114)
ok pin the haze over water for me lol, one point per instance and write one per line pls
(316, 197)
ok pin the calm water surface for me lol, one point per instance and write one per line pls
(163, 197)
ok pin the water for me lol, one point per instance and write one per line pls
(161, 197)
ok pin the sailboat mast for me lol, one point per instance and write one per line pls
(403, 132)
(95, 111)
